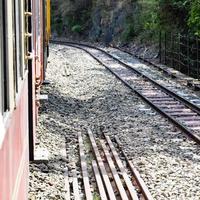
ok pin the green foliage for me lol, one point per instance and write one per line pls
(194, 18)
(151, 16)
(150, 19)
(77, 28)
(173, 15)
(73, 15)
(128, 32)
(96, 196)
(142, 19)
(56, 19)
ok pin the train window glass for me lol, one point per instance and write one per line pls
(28, 29)
(15, 64)
(17, 44)
(1, 63)
(38, 27)
(3, 69)
(18, 38)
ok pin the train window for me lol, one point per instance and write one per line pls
(17, 44)
(16, 47)
(15, 58)
(18, 38)
(38, 22)
(3, 69)
(28, 30)
(1, 63)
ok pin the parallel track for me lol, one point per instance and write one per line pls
(170, 71)
(177, 109)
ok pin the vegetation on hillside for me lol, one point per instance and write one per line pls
(124, 20)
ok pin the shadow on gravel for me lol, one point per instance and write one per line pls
(115, 114)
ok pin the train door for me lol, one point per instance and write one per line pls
(2, 68)
(30, 63)
(36, 69)
(3, 90)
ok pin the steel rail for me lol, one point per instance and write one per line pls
(99, 181)
(118, 161)
(182, 100)
(102, 168)
(86, 182)
(163, 69)
(123, 184)
(173, 94)
(114, 172)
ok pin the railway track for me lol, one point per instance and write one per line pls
(109, 178)
(180, 111)
(177, 86)
(190, 82)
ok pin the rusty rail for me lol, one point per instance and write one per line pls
(102, 168)
(86, 182)
(99, 180)
(108, 178)
(113, 169)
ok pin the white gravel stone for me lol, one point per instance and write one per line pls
(83, 93)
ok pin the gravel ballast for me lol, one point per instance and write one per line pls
(83, 93)
(173, 84)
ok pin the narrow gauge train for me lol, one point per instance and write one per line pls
(24, 38)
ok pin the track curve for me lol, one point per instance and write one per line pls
(180, 111)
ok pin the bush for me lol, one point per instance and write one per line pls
(194, 18)
(77, 28)
(128, 33)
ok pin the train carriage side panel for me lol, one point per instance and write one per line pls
(14, 103)
(36, 70)
(14, 152)
(39, 38)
